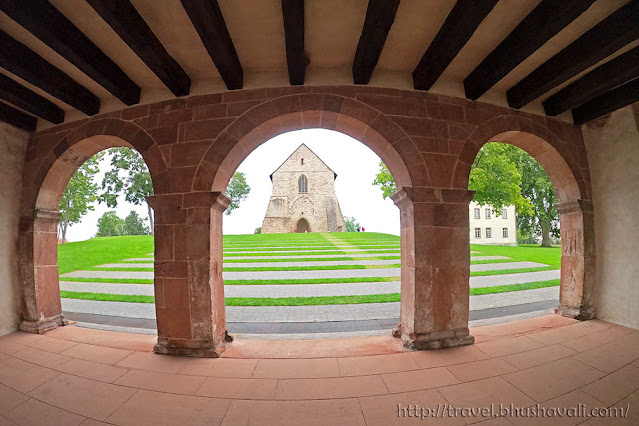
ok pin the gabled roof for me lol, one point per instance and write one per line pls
(312, 152)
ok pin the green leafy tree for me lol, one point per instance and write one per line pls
(110, 225)
(134, 225)
(258, 230)
(351, 224)
(385, 181)
(237, 190)
(79, 195)
(128, 175)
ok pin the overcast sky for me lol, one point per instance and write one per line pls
(355, 164)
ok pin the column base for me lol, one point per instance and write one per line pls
(194, 348)
(581, 313)
(434, 340)
(43, 325)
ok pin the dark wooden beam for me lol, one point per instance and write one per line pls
(539, 26)
(18, 59)
(380, 16)
(125, 20)
(613, 100)
(45, 22)
(28, 100)
(606, 77)
(208, 21)
(457, 29)
(293, 13)
(601, 41)
(17, 118)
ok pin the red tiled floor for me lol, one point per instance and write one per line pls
(83, 376)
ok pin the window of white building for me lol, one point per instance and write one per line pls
(487, 213)
(489, 233)
(477, 214)
(504, 213)
(302, 184)
(505, 232)
(477, 232)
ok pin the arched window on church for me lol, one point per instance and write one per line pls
(302, 184)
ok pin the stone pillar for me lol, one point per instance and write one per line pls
(41, 307)
(189, 290)
(435, 267)
(576, 294)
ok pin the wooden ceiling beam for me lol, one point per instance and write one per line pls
(49, 25)
(457, 29)
(601, 41)
(17, 118)
(18, 59)
(380, 16)
(125, 20)
(28, 100)
(539, 26)
(208, 21)
(296, 58)
(606, 77)
(608, 102)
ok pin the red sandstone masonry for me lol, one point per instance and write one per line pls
(193, 145)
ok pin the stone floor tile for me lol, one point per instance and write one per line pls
(21, 337)
(508, 346)
(481, 369)
(296, 368)
(614, 355)
(161, 382)
(589, 341)
(223, 387)
(34, 412)
(153, 362)
(157, 408)
(92, 370)
(10, 398)
(50, 344)
(82, 396)
(295, 413)
(23, 376)
(482, 393)
(393, 409)
(570, 401)
(418, 380)
(43, 358)
(615, 386)
(100, 354)
(9, 347)
(6, 422)
(578, 329)
(92, 422)
(376, 364)
(626, 410)
(450, 356)
(553, 379)
(330, 388)
(219, 367)
(535, 357)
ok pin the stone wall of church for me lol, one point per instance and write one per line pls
(319, 206)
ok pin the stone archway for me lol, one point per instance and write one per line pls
(302, 226)
(567, 170)
(39, 219)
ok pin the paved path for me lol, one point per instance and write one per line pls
(310, 263)
(311, 256)
(507, 279)
(108, 288)
(118, 275)
(126, 265)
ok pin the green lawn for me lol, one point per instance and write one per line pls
(97, 251)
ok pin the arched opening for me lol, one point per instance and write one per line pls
(40, 216)
(302, 183)
(576, 266)
(302, 226)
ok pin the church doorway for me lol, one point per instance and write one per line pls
(302, 226)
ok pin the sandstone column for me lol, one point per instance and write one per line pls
(189, 290)
(576, 294)
(41, 307)
(435, 267)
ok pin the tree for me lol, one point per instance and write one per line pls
(110, 225)
(79, 195)
(237, 190)
(135, 182)
(258, 230)
(385, 180)
(134, 225)
(351, 223)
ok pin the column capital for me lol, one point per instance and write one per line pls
(402, 197)
(574, 206)
(41, 214)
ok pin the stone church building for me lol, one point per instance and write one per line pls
(303, 198)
